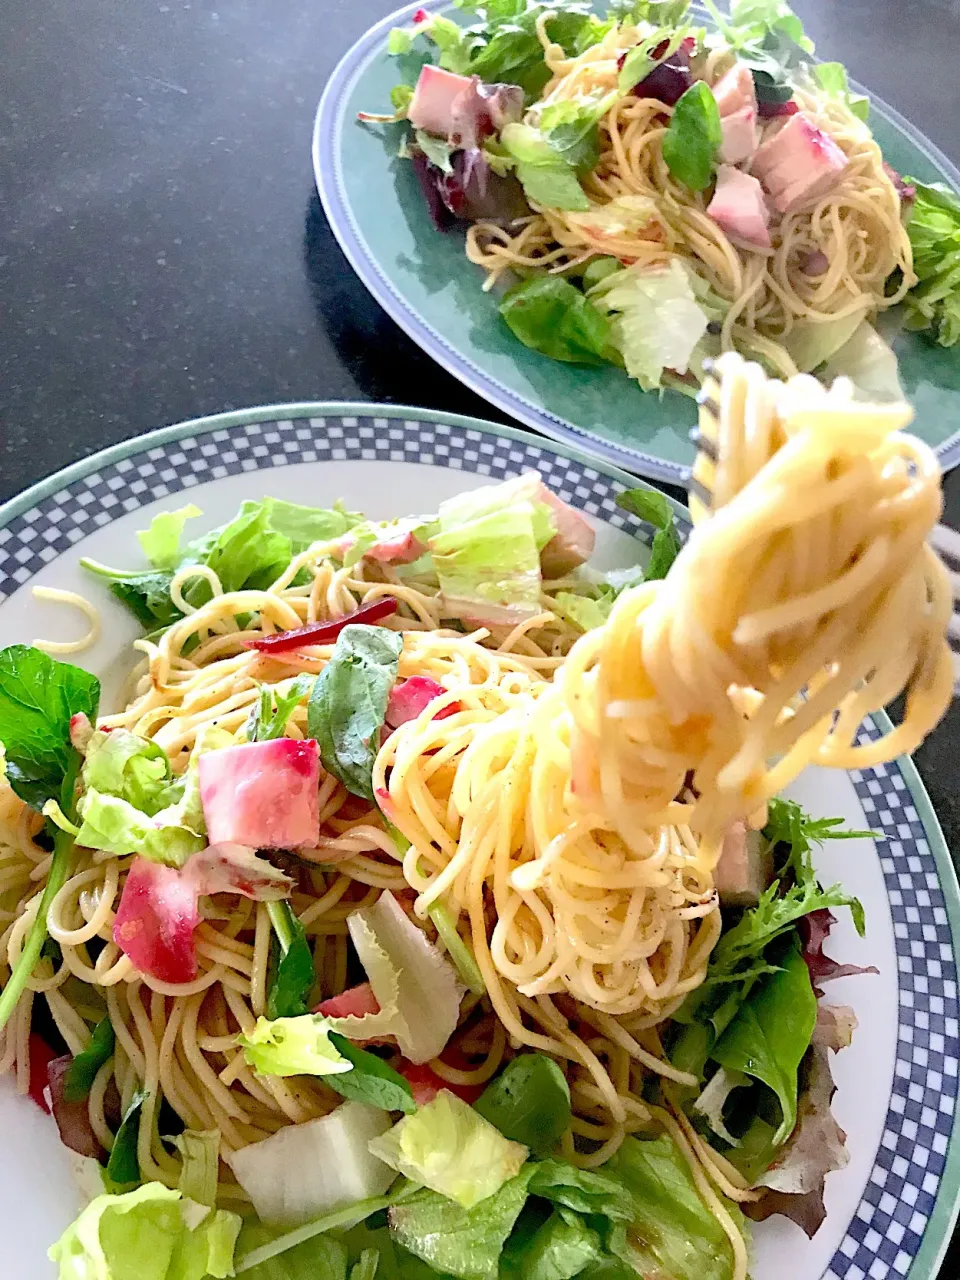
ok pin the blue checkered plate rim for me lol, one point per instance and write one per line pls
(908, 1206)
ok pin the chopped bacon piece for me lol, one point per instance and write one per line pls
(736, 99)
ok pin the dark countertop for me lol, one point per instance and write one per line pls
(163, 254)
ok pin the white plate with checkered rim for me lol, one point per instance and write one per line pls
(891, 1211)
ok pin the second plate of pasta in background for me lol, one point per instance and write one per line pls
(424, 280)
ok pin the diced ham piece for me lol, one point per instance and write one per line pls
(739, 208)
(159, 907)
(356, 1002)
(425, 1084)
(736, 100)
(799, 163)
(396, 542)
(745, 868)
(155, 921)
(462, 108)
(263, 794)
(573, 542)
(431, 107)
(409, 697)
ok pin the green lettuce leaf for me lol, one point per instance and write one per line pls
(201, 1164)
(148, 1234)
(161, 542)
(529, 1102)
(547, 175)
(933, 304)
(868, 360)
(592, 1192)
(771, 1033)
(449, 1147)
(464, 1243)
(306, 525)
(321, 1258)
(292, 1047)
(273, 708)
(657, 319)
(550, 315)
(487, 553)
(671, 1232)
(120, 763)
(349, 702)
(115, 826)
(832, 79)
(563, 1247)
(654, 508)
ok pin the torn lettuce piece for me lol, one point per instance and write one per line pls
(487, 554)
(868, 360)
(464, 1243)
(448, 1146)
(293, 1047)
(201, 1160)
(161, 541)
(151, 1233)
(657, 319)
(415, 986)
(113, 822)
(672, 1232)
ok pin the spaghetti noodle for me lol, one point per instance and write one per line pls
(569, 805)
(831, 256)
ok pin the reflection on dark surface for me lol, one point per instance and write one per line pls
(382, 360)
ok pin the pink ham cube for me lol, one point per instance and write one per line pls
(432, 105)
(738, 207)
(745, 867)
(263, 794)
(573, 542)
(799, 163)
(736, 100)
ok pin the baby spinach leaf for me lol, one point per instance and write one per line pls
(550, 315)
(85, 1065)
(771, 1033)
(372, 1080)
(349, 702)
(38, 695)
(291, 964)
(655, 509)
(693, 137)
(123, 1167)
(529, 1102)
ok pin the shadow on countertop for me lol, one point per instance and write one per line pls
(386, 364)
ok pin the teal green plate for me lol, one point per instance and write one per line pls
(425, 283)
